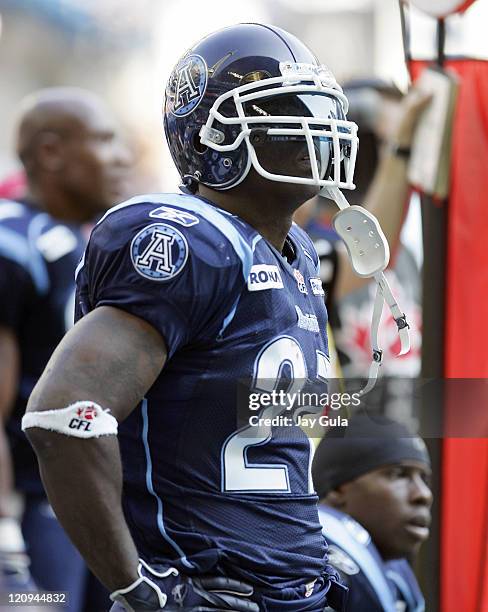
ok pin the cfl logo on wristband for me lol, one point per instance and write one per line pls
(83, 419)
(85, 415)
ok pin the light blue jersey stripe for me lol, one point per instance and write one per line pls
(406, 592)
(150, 487)
(39, 269)
(208, 212)
(218, 220)
(338, 534)
(18, 249)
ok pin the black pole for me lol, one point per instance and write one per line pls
(404, 20)
(441, 42)
(434, 231)
(434, 224)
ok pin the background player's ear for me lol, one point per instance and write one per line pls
(49, 152)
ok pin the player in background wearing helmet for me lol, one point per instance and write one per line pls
(387, 122)
(372, 478)
(75, 168)
(179, 296)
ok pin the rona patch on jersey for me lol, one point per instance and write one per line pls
(264, 276)
(159, 252)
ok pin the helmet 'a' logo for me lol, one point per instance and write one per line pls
(187, 85)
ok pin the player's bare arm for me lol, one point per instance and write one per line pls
(9, 370)
(388, 194)
(111, 358)
(9, 373)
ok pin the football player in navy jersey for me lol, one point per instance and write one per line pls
(373, 482)
(76, 167)
(179, 296)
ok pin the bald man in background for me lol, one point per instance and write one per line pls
(76, 168)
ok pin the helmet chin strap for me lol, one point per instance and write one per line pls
(189, 183)
(369, 254)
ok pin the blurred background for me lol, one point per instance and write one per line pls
(124, 51)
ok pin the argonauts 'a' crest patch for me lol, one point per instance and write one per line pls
(187, 85)
(159, 252)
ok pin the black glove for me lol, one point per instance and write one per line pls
(144, 593)
(225, 593)
(169, 591)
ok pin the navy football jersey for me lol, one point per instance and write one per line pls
(197, 492)
(374, 585)
(38, 257)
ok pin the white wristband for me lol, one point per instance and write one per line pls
(82, 419)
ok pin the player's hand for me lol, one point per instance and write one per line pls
(154, 591)
(225, 594)
(14, 562)
(143, 594)
(411, 108)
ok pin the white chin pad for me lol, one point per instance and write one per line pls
(364, 239)
(82, 419)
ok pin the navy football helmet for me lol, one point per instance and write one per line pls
(250, 85)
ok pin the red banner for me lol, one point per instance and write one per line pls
(464, 514)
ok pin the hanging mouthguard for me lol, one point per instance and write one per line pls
(369, 254)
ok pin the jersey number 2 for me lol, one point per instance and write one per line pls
(239, 474)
